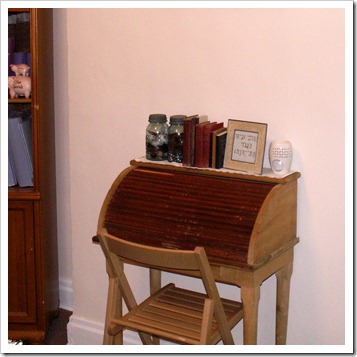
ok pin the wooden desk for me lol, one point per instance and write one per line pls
(247, 224)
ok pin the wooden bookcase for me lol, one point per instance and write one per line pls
(33, 298)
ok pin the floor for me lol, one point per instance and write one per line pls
(57, 333)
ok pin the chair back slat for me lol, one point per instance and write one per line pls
(152, 256)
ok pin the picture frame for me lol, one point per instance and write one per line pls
(245, 146)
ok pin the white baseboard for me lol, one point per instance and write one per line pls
(83, 332)
(66, 294)
(131, 338)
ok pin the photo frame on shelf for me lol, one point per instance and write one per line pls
(245, 146)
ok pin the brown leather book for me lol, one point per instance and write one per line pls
(189, 126)
(199, 143)
(206, 151)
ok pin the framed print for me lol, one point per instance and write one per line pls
(245, 146)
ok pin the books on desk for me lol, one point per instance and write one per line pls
(207, 143)
(20, 148)
(189, 129)
(204, 142)
(199, 143)
(219, 138)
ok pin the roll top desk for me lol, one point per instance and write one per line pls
(245, 222)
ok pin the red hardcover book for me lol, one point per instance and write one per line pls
(206, 151)
(199, 143)
(189, 126)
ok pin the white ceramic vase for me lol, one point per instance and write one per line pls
(280, 156)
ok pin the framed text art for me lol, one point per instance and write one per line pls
(245, 146)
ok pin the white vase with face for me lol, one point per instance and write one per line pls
(280, 156)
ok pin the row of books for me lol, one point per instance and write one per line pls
(20, 165)
(205, 142)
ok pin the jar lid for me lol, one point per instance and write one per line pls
(157, 118)
(177, 119)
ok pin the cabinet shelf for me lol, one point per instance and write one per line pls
(23, 193)
(16, 10)
(19, 100)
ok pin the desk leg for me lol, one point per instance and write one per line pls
(155, 285)
(250, 298)
(282, 303)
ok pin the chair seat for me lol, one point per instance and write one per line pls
(177, 313)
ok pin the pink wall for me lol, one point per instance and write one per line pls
(284, 67)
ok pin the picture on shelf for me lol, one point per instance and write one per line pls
(245, 146)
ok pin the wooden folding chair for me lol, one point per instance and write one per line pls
(171, 313)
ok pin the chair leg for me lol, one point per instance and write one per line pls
(207, 321)
(146, 339)
(114, 309)
(155, 285)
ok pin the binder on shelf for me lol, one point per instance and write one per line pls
(11, 170)
(20, 142)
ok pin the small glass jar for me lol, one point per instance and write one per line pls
(176, 137)
(157, 137)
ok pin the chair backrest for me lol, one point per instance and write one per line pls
(154, 257)
(115, 248)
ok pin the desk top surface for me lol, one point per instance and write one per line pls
(266, 176)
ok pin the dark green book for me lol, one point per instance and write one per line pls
(219, 138)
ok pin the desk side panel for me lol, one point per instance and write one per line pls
(275, 226)
(109, 196)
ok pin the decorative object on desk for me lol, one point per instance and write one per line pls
(21, 69)
(176, 138)
(19, 86)
(245, 146)
(157, 137)
(280, 156)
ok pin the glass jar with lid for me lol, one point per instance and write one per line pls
(176, 137)
(157, 137)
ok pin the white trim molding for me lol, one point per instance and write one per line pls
(81, 331)
(84, 332)
(66, 294)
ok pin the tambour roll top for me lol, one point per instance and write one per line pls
(181, 209)
(175, 210)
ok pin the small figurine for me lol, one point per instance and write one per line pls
(19, 85)
(21, 69)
